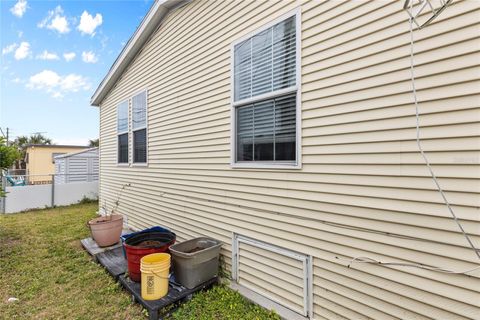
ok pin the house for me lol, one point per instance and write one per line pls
(287, 130)
(40, 161)
(80, 166)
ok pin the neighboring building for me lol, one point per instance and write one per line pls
(40, 160)
(286, 129)
(81, 166)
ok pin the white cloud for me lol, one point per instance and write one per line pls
(55, 20)
(60, 24)
(89, 57)
(19, 8)
(44, 80)
(69, 56)
(57, 95)
(20, 34)
(88, 23)
(58, 85)
(23, 51)
(17, 80)
(45, 55)
(9, 48)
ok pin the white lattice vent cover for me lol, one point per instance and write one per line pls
(278, 274)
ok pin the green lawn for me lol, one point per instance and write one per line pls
(43, 264)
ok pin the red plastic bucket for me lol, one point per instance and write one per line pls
(137, 247)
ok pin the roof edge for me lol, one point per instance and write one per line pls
(54, 146)
(75, 153)
(153, 18)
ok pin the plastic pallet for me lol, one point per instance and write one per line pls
(176, 295)
(116, 264)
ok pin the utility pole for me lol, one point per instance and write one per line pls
(8, 129)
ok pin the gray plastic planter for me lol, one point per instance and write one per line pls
(195, 261)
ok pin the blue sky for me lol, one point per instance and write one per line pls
(54, 54)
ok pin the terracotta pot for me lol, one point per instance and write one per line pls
(106, 231)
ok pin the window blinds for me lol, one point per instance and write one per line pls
(123, 148)
(139, 111)
(266, 130)
(122, 117)
(140, 146)
(139, 124)
(265, 62)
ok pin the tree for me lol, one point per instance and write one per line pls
(37, 138)
(8, 155)
(93, 143)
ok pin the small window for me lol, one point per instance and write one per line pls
(56, 154)
(122, 132)
(265, 95)
(140, 146)
(123, 148)
(139, 127)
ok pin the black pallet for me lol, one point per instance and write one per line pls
(113, 261)
(116, 264)
(176, 294)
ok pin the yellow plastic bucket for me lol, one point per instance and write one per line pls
(155, 268)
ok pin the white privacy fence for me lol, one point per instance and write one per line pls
(21, 197)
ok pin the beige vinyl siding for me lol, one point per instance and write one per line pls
(363, 189)
(279, 277)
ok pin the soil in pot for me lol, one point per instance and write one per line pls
(196, 249)
(142, 244)
(151, 243)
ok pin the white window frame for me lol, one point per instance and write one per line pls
(139, 164)
(297, 164)
(127, 131)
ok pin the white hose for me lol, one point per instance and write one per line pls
(434, 177)
(420, 148)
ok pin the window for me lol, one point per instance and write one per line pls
(54, 154)
(265, 96)
(122, 132)
(266, 130)
(139, 127)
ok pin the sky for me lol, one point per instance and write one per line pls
(54, 55)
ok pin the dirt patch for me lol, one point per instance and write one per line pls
(196, 249)
(76, 244)
(9, 242)
(151, 243)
